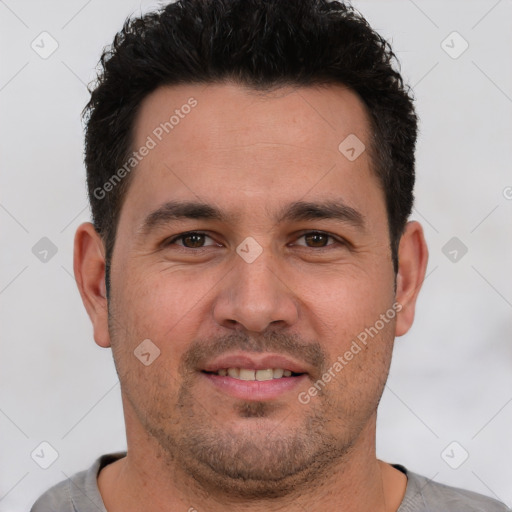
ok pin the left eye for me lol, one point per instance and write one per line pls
(192, 240)
(316, 239)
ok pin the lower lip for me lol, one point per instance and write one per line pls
(254, 389)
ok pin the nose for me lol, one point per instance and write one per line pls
(255, 295)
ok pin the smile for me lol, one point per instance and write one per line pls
(259, 375)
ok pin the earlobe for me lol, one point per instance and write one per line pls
(89, 268)
(412, 259)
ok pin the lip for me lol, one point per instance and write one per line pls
(255, 362)
(253, 390)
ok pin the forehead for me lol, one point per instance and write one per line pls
(229, 142)
(314, 117)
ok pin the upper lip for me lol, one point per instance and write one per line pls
(254, 362)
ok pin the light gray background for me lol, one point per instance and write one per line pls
(451, 377)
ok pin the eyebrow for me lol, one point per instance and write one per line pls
(294, 212)
(178, 210)
(336, 210)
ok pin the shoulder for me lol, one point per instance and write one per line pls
(424, 495)
(58, 498)
(78, 493)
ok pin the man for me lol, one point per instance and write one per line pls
(250, 166)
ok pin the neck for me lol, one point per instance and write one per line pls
(145, 479)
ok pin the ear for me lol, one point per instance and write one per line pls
(89, 268)
(412, 265)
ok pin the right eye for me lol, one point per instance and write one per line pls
(190, 240)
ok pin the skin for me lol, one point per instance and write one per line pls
(189, 443)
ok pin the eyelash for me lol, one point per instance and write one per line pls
(338, 241)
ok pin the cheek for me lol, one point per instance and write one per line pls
(150, 308)
(164, 307)
(360, 364)
(346, 301)
(354, 316)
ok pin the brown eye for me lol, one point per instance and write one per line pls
(316, 239)
(191, 240)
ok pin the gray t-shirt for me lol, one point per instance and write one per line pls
(80, 493)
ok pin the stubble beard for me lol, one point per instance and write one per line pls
(274, 461)
(262, 461)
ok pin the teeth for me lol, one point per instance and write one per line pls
(246, 374)
(278, 373)
(259, 375)
(265, 374)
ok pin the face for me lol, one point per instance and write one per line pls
(248, 247)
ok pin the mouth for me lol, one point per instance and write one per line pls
(253, 377)
(249, 374)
